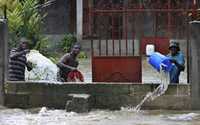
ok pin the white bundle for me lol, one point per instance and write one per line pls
(43, 68)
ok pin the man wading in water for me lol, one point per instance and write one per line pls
(68, 66)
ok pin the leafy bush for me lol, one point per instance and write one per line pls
(67, 42)
(43, 46)
(9, 4)
(82, 55)
(24, 20)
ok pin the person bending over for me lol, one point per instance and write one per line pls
(68, 63)
(178, 61)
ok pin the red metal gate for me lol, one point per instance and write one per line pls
(118, 27)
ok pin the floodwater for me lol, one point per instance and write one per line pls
(43, 116)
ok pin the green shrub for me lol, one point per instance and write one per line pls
(43, 46)
(54, 59)
(82, 55)
(67, 42)
(24, 20)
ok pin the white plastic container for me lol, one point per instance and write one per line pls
(150, 48)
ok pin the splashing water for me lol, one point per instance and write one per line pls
(43, 68)
(183, 117)
(160, 90)
(45, 116)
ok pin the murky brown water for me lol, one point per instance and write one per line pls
(98, 117)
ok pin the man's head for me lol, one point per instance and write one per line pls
(23, 43)
(174, 48)
(76, 48)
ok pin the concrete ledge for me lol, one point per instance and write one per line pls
(79, 103)
(103, 96)
(20, 100)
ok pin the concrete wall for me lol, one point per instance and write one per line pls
(194, 63)
(79, 19)
(3, 58)
(103, 96)
(60, 19)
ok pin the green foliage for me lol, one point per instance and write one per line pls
(10, 4)
(43, 46)
(14, 23)
(55, 57)
(82, 55)
(25, 20)
(67, 42)
(7, 5)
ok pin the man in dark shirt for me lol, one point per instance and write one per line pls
(68, 63)
(18, 61)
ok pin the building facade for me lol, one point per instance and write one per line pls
(119, 19)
